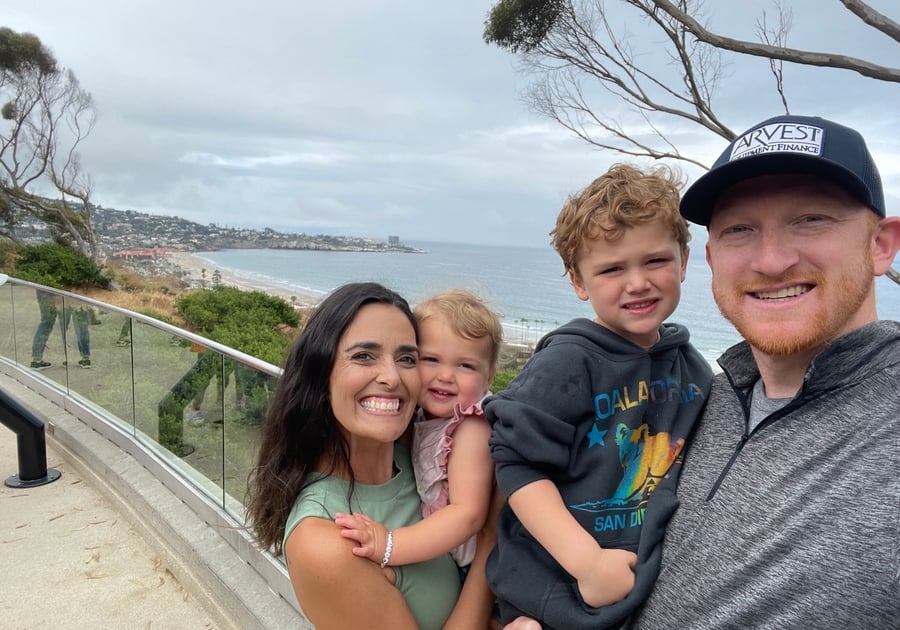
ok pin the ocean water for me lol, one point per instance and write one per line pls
(524, 285)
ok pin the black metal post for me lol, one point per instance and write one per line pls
(32, 445)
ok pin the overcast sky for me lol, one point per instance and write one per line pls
(381, 117)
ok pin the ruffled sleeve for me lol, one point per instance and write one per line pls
(459, 414)
(432, 443)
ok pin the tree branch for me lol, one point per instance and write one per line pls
(777, 37)
(793, 55)
(584, 45)
(873, 18)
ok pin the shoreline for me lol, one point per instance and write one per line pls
(514, 351)
(192, 265)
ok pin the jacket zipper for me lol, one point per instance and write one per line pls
(745, 436)
(724, 473)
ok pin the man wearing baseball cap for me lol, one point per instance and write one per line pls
(790, 491)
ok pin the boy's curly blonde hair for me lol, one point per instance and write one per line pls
(624, 197)
(467, 315)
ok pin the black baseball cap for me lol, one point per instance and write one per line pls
(789, 144)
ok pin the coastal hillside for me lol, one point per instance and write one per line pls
(126, 229)
(123, 230)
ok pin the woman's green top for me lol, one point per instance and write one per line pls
(430, 588)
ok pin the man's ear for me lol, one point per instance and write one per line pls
(885, 244)
(685, 254)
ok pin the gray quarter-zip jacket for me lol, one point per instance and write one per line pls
(796, 525)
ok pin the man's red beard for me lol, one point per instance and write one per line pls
(779, 333)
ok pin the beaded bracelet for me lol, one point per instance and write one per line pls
(388, 549)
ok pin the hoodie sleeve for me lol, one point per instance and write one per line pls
(533, 422)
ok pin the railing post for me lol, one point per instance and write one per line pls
(32, 445)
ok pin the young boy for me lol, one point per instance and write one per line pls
(587, 440)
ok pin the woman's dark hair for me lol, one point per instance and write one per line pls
(300, 429)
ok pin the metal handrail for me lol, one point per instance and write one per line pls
(246, 359)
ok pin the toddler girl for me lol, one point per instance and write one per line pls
(459, 342)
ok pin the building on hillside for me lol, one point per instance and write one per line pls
(134, 255)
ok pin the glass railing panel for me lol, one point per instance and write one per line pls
(178, 408)
(253, 389)
(96, 368)
(195, 405)
(75, 319)
(165, 370)
(41, 341)
(111, 359)
(198, 396)
(7, 323)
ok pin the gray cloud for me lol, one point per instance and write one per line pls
(370, 117)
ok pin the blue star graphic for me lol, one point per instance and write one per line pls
(596, 437)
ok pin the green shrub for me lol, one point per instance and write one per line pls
(58, 266)
(502, 379)
(248, 321)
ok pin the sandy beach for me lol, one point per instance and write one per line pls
(193, 267)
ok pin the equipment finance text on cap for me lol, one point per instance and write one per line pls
(789, 144)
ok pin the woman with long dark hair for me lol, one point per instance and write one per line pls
(329, 445)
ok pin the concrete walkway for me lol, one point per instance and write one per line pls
(108, 546)
(71, 559)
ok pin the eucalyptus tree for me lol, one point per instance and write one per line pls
(658, 58)
(46, 114)
(629, 75)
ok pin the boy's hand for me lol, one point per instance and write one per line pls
(610, 579)
(369, 535)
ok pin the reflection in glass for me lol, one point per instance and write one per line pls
(198, 408)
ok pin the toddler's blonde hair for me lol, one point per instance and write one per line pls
(468, 316)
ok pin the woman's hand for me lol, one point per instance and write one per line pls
(369, 535)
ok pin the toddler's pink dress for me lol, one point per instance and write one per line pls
(432, 442)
